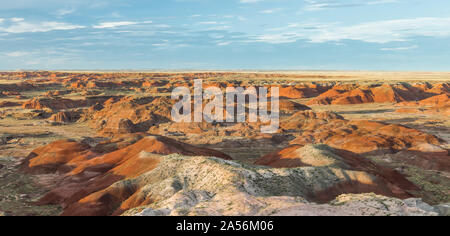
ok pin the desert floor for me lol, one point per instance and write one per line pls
(394, 120)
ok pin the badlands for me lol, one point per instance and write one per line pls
(104, 143)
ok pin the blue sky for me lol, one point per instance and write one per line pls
(225, 34)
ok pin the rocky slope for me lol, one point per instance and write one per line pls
(84, 171)
(183, 185)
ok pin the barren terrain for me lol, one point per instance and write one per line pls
(103, 143)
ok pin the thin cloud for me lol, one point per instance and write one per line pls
(107, 25)
(317, 5)
(250, 1)
(64, 12)
(21, 26)
(400, 48)
(17, 54)
(271, 11)
(371, 32)
(16, 19)
(223, 43)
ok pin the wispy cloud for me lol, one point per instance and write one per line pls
(64, 12)
(224, 43)
(271, 11)
(250, 1)
(16, 19)
(388, 31)
(17, 54)
(372, 32)
(106, 25)
(19, 25)
(317, 5)
(400, 48)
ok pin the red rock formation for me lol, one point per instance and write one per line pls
(56, 155)
(439, 100)
(62, 104)
(385, 93)
(89, 172)
(436, 105)
(143, 112)
(291, 92)
(355, 136)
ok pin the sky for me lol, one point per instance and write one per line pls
(386, 35)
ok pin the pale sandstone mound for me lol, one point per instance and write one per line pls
(89, 172)
(385, 181)
(301, 156)
(195, 204)
(208, 186)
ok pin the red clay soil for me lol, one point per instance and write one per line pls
(142, 112)
(356, 136)
(52, 157)
(439, 100)
(291, 93)
(385, 93)
(435, 101)
(436, 105)
(87, 172)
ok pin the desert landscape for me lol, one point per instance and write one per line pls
(104, 144)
